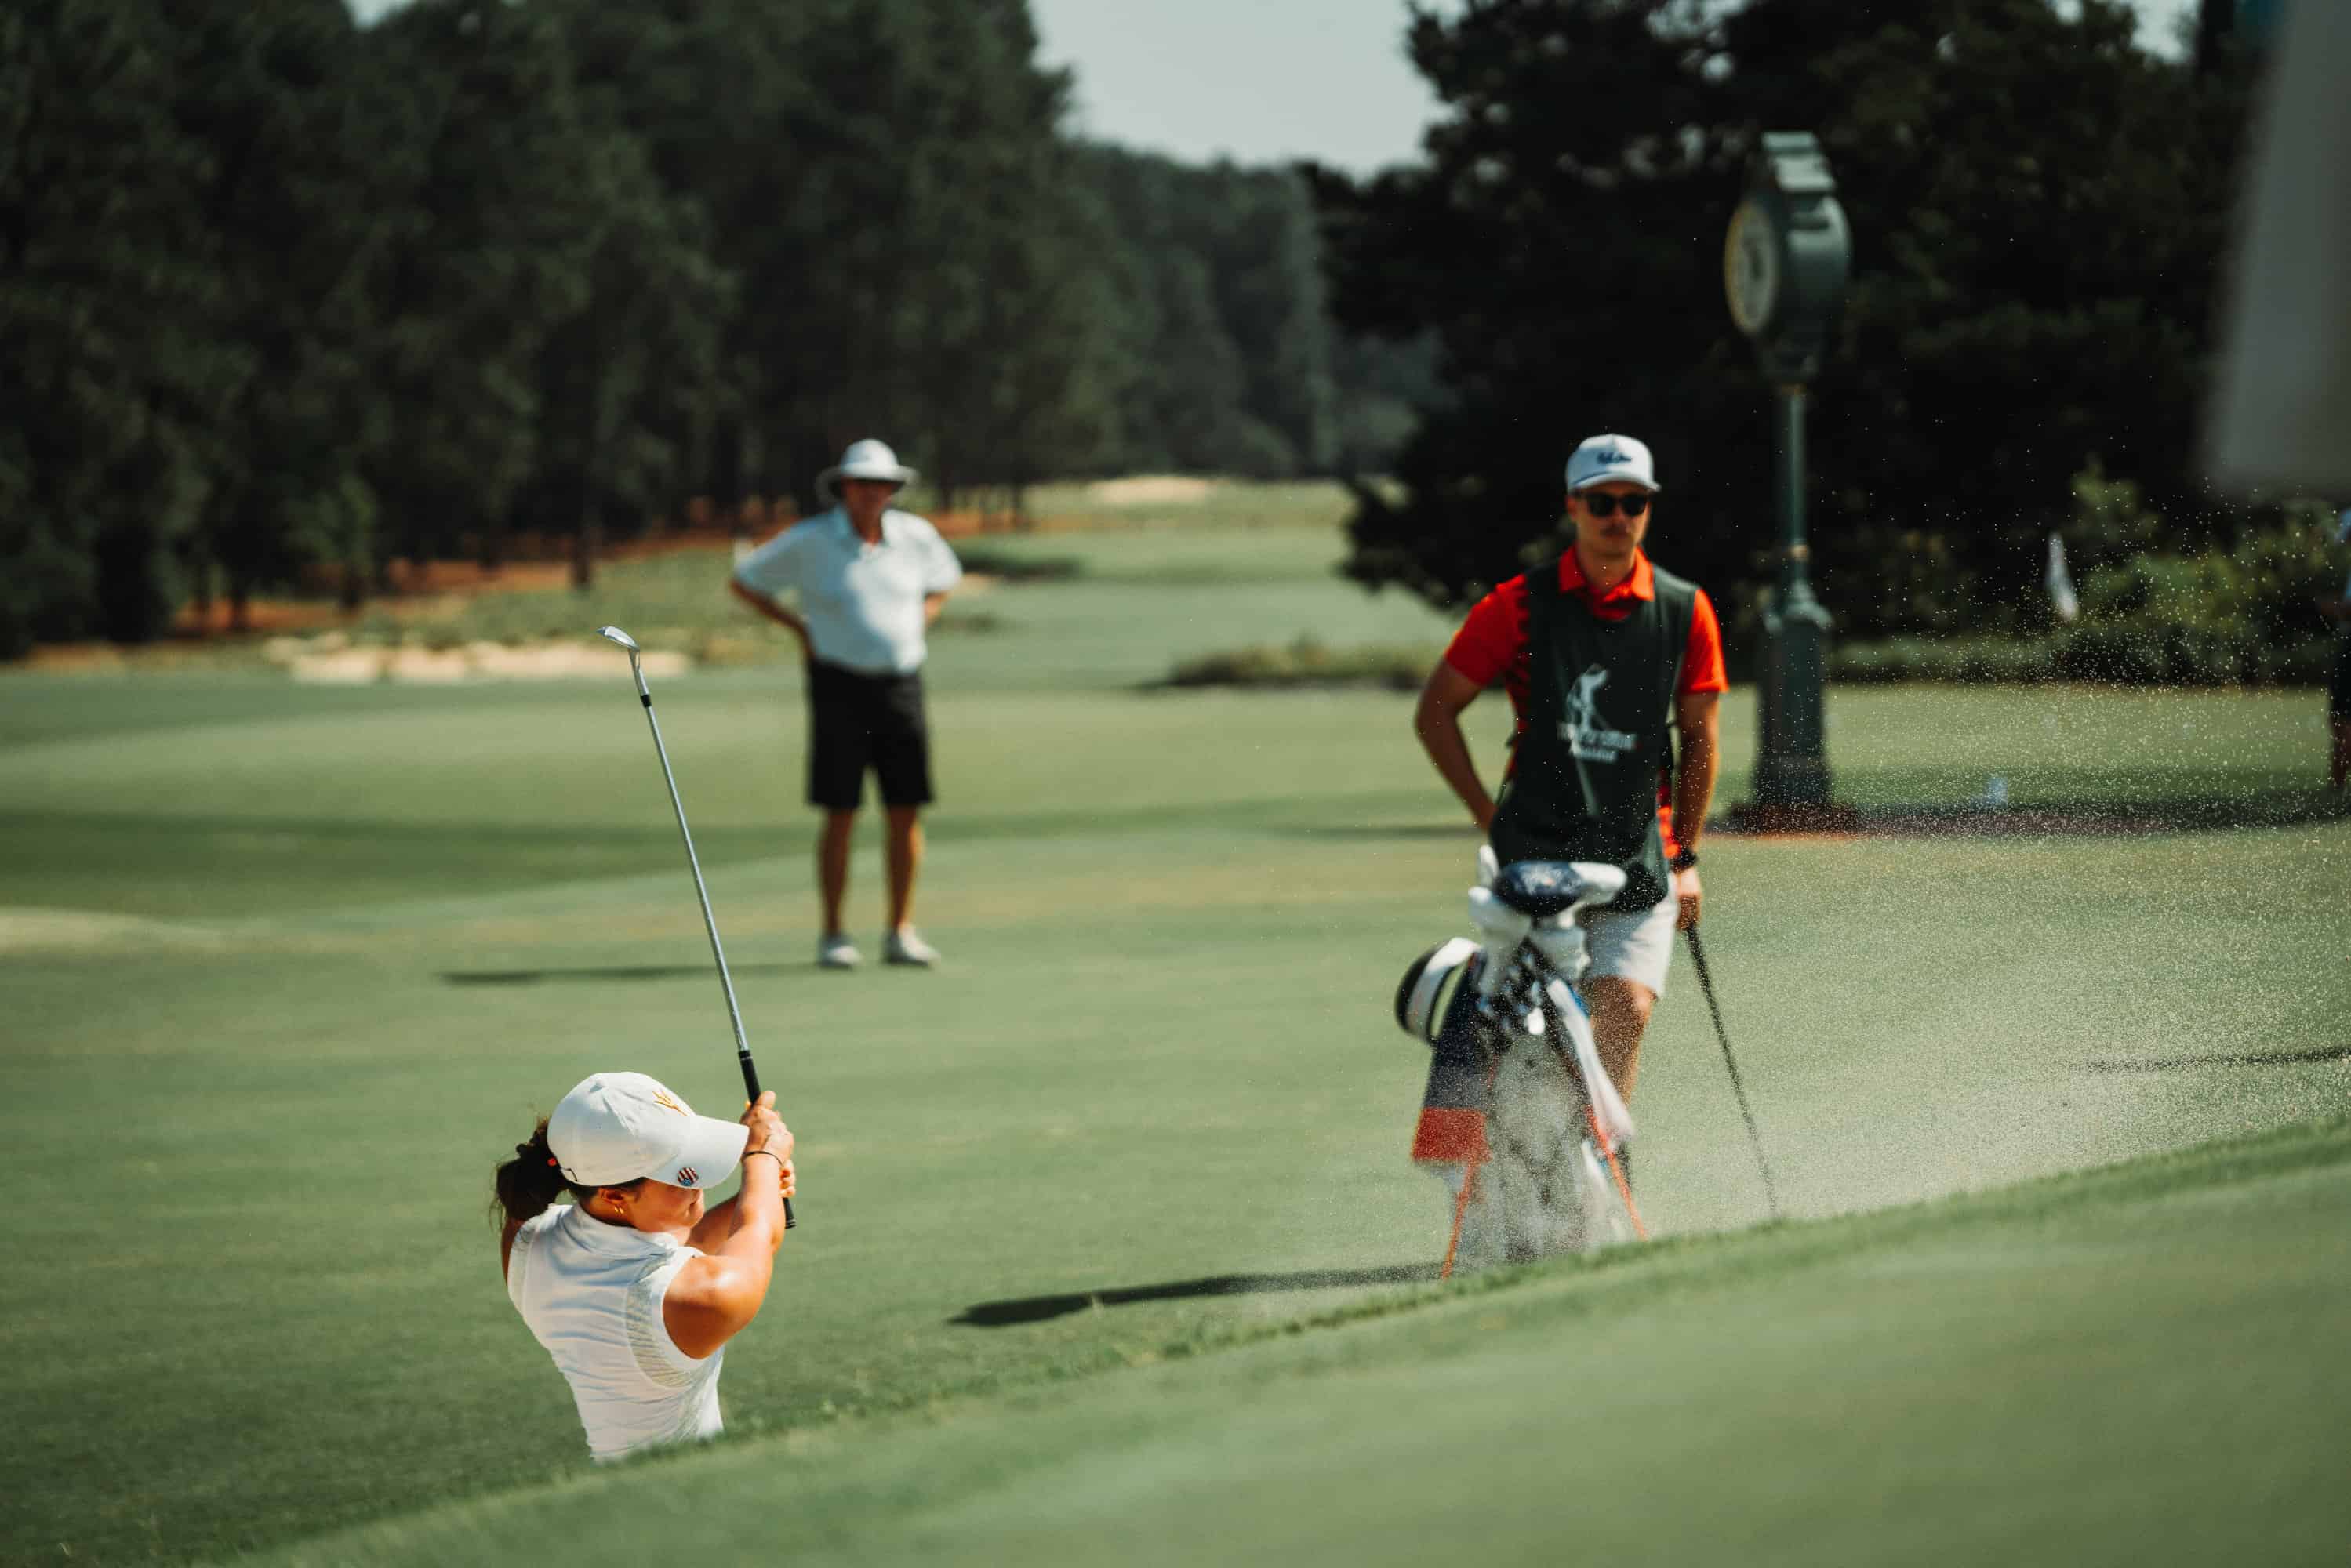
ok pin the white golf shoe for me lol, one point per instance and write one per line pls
(906, 946)
(837, 952)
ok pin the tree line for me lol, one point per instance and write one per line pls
(284, 296)
(2039, 211)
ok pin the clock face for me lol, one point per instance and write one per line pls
(1750, 267)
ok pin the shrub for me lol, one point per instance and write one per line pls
(2241, 614)
(1970, 660)
(1010, 566)
(1307, 662)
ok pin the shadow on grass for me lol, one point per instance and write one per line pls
(1038, 1309)
(2219, 1059)
(2273, 808)
(615, 972)
(1383, 830)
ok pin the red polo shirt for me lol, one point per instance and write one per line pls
(1492, 642)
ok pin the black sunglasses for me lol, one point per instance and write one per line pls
(1603, 505)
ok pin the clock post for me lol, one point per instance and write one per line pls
(1784, 268)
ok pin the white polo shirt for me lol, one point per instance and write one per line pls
(591, 1293)
(863, 603)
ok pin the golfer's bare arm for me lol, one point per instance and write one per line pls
(716, 1295)
(783, 615)
(1698, 716)
(720, 1220)
(931, 604)
(1437, 720)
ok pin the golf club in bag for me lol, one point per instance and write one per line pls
(726, 984)
(1706, 985)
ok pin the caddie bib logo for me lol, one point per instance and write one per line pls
(1587, 734)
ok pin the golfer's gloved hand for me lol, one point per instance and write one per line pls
(769, 1136)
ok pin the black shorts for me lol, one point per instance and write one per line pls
(859, 721)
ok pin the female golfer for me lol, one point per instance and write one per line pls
(631, 1287)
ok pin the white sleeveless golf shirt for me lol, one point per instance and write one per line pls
(591, 1293)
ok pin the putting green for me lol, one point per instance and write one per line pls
(289, 967)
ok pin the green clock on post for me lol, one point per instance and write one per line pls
(1784, 265)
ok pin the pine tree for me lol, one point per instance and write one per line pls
(2036, 204)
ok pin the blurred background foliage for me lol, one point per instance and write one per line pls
(287, 299)
(2039, 211)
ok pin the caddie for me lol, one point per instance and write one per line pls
(1605, 656)
(867, 581)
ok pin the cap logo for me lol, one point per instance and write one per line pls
(661, 1098)
(687, 1177)
(1611, 455)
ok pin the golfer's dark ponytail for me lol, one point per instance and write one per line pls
(530, 1182)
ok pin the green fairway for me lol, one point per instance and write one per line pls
(289, 967)
(2000, 1379)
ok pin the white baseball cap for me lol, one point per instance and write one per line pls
(1604, 458)
(614, 1127)
(865, 460)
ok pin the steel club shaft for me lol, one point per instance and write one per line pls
(694, 861)
(1706, 985)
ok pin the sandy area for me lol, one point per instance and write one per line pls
(1149, 489)
(331, 659)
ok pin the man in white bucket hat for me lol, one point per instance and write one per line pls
(633, 1287)
(867, 581)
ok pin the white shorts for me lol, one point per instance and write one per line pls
(1636, 945)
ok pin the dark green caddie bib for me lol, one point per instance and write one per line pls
(1597, 744)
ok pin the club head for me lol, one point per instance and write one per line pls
(615, 634)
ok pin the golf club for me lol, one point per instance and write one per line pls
(734, 1013)
(1706, 985)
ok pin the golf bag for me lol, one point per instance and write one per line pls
(1519, 1120)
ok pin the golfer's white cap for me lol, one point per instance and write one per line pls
(614, 1127)
(866, 460)
(1605, 459)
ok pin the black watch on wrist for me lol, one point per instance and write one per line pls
(1683, 860)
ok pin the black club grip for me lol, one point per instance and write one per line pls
(751, 1088)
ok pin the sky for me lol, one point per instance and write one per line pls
(1325, 80)
(1264, 82)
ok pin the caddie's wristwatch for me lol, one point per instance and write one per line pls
(1683, 860)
